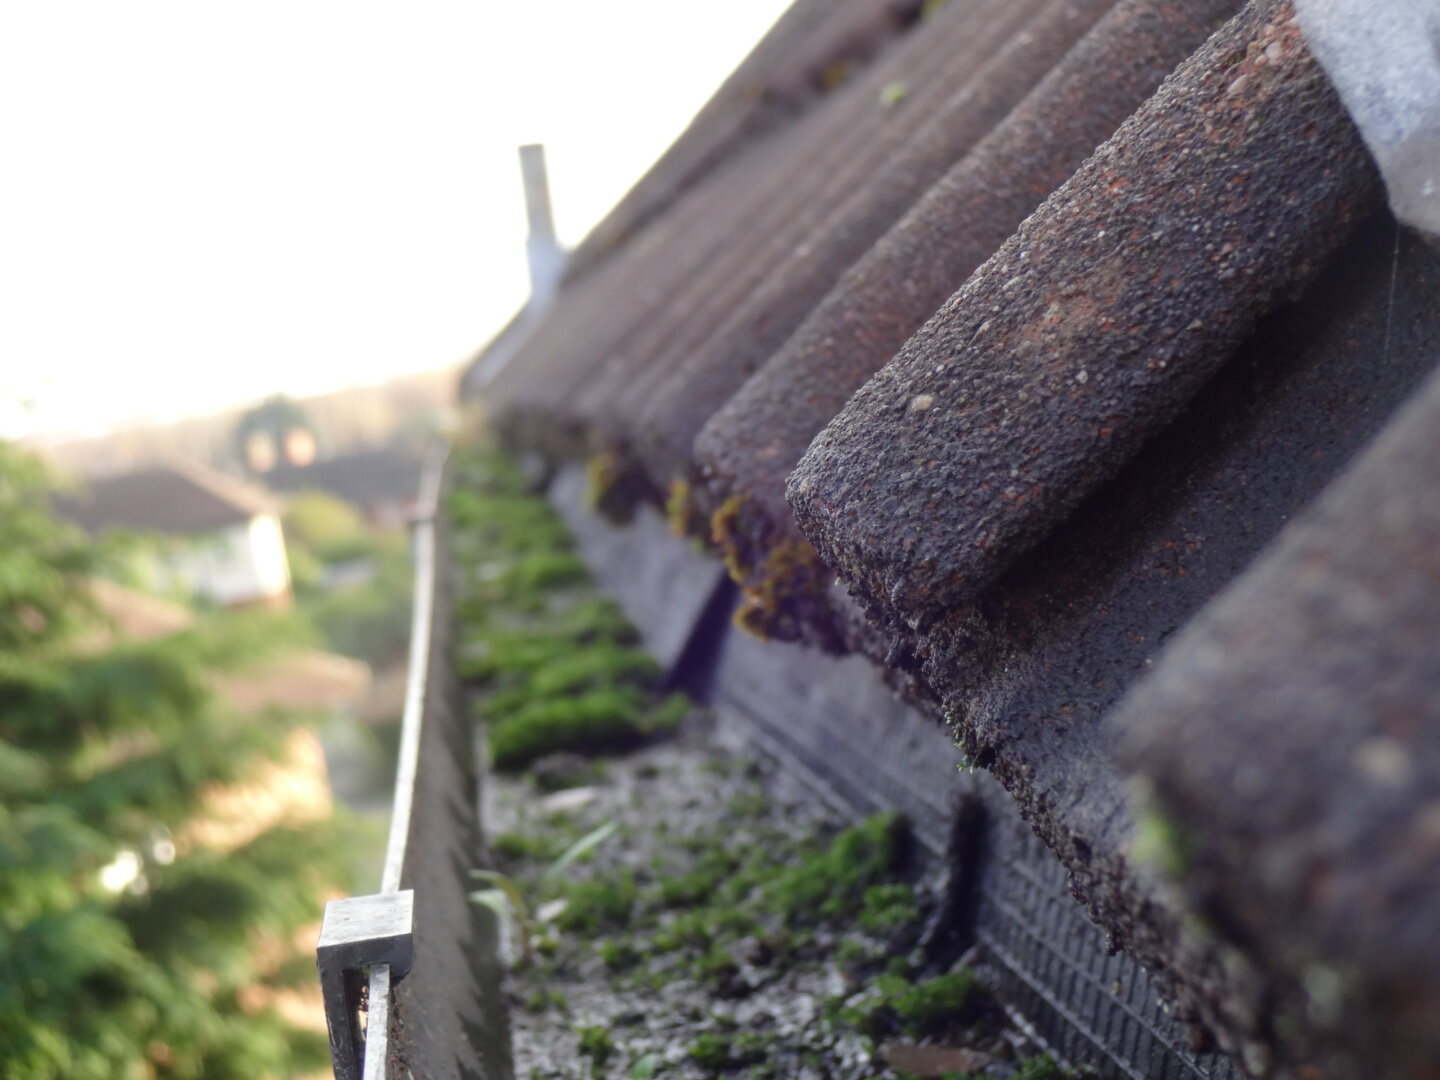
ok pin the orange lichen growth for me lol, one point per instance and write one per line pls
(779, 579)
(615, 487)
(683, 512)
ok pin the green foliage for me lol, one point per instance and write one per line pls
(43, 561)
(124, 953)
(370, 619)
(273, 418)
(327, 526)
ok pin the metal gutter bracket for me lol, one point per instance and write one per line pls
(360, 933)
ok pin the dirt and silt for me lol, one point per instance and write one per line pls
(724, 920)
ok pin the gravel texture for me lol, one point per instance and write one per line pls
(773, 993)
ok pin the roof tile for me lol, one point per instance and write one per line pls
(1052, 365)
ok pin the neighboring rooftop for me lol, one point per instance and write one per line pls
(178, 498)
(361, 478)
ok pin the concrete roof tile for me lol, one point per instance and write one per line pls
(1309, 807)
(1090, 328)
(756, 439)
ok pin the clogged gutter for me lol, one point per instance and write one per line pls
(724, 921)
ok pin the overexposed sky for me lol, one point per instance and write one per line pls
(204, 203)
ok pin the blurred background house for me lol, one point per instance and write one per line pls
(221, 537)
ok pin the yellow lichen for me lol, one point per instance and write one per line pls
(681, 511)
(602, 471)
(726, 534)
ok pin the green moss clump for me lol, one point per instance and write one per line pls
(886, 908)
(555, 665)
(544, 999)
(595, 721)
(934, 1002)
(602, 903)
(893, 1003)
(711, 1051)
(833, 882)
(598, 665)
(514, 845)
(1161, 843)
(716, 966)
(715, 866)
(618, 954)
(596, 1044)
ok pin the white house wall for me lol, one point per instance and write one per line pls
(239, 564)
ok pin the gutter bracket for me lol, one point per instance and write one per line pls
(358, 933)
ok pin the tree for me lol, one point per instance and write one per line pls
(125, 951)
(276, 430)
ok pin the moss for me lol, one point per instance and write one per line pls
(544, 999)
(870, 1013)
(893, 93)
(514, 845)
(711, 1051)
(1160, 842)
(604, 903)
(665, 717)
(599, 665)
(886, 908)
(557, 672)
(690, 930)
(716, 965)
(618, 954)
(899, 965)
(593, 722)
(834, 75)
(727, 535)
(749, 805)
(780, 580)
(596, 1044)
(750, 1048)
(919, 1010)
(853, 954)
(833, 882)
(935, 1002)
(715, 866)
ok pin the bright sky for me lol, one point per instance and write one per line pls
(203, 203)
